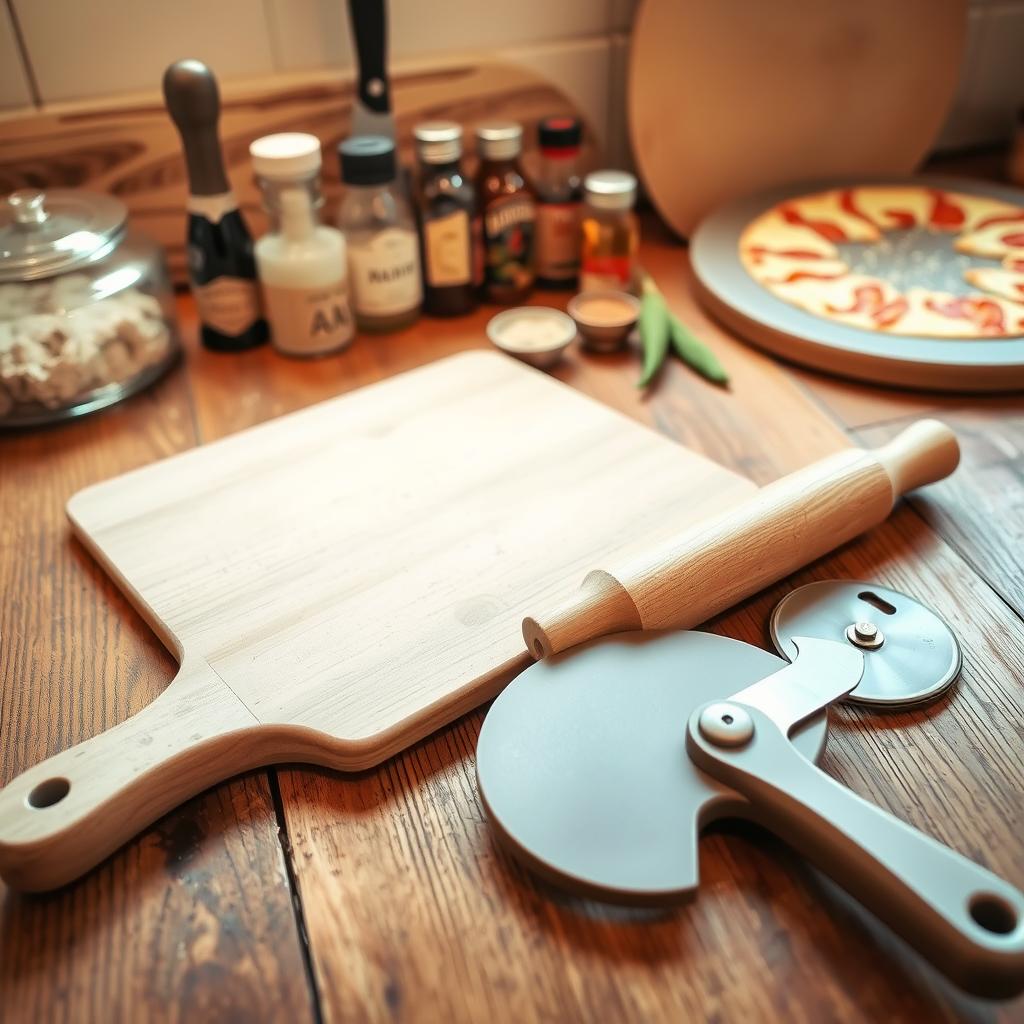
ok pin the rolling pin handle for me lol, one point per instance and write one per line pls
(926, 452)
(601, 606)
(710, 566)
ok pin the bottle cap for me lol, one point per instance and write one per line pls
(499, 140)
(610, 190)
(559, 133)
(438, 142)
(286, 155)
(367, 160)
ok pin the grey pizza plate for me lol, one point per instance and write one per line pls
(739, 302)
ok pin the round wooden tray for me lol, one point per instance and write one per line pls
(753, 312)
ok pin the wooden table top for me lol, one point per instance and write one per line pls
(303, 894)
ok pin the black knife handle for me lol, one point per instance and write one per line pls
(370, 29)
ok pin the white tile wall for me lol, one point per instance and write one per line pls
(85, 48)
(991, 85)
(315, 33)
(582, 70)
(997, 80)
(82, 48)
(14, 88)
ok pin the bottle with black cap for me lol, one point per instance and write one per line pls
(449, 222)
(559, 194)
(222, 270)
(383, 250)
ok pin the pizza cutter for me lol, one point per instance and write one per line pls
(911, 656)
(599, 767)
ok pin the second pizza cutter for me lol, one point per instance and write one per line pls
(910, 655)
(599, 768)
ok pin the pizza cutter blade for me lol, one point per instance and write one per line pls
(583, 769)
(600, 767)
(911, 656)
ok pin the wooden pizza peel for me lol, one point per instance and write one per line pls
(729, 98)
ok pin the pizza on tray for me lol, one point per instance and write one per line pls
(799, 250)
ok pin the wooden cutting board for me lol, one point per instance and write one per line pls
(342, 581)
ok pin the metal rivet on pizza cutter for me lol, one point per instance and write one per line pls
(911, 655)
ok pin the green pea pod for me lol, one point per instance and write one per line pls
(695, 353)
(654, 334)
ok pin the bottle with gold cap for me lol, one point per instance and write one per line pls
(609, 231)
(446, 208)
(509, 210)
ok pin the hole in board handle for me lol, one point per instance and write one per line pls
(992, 913)
(48, 793)
(868, 597)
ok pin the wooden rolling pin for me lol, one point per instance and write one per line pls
(786, 525)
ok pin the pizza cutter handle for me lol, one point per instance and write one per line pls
(967, 921)
(64, 815)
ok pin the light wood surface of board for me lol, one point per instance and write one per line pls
(305, 895)
(811, 91)
(338, 583)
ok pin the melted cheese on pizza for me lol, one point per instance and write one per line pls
(792, 251)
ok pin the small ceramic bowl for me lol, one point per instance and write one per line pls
(537, 335)
(604, 318)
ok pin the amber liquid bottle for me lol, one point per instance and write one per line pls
(446, 208)
(509, 210)
(559, 191)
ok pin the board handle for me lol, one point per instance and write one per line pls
(708, 568)
(967, 921)
(65, 814)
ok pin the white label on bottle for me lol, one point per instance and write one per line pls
(447, 247)
(385, 273)
(309, 321)
(558, 241)
(230, 305)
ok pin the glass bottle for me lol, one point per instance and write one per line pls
(221, 269)
(509, 211)
(609, 232)
(380, 235)
(301, 262)
(558, 203)
(449, 222)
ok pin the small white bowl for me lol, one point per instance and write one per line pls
(553, 332)
(606, 334)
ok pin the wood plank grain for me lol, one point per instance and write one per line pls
(412, 911)
(768, 938)
(980, 509)
(194, 920)
(857, 405)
